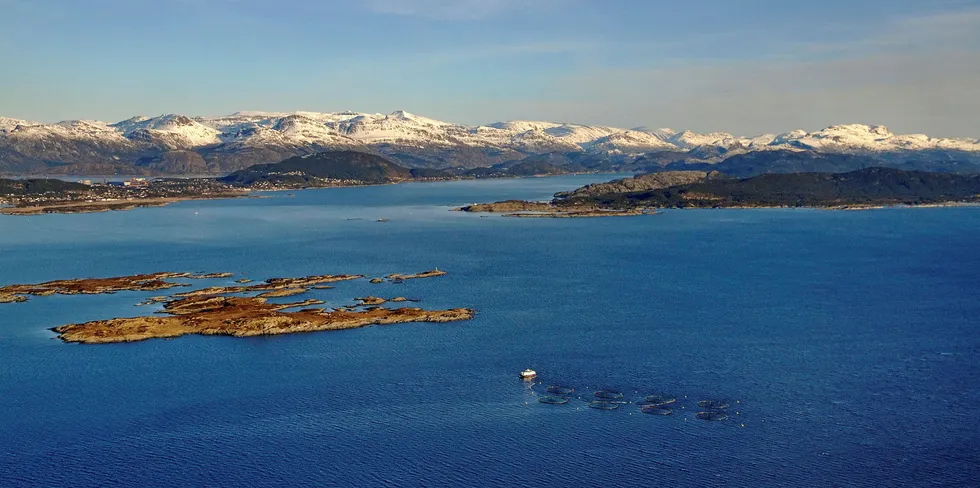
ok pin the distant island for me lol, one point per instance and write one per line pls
(870, 187)
(213, 311)
(321, 170)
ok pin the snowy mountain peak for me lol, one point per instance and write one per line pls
(402, 115)
(86, 126)
(523, 125)
(664, 133)
(858, 130)
(173, 130)
(7, 123)
(631, 141)
(688, 139)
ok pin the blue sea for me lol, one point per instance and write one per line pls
(846, 342)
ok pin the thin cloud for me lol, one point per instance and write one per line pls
(948, 29)
(913, 74)
(445, 9)
(917, 93)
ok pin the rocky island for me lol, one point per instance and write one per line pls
(244, 317)
(213, 311)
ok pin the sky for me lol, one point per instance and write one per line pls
(745, 67)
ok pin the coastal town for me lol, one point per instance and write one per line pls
(30, 196)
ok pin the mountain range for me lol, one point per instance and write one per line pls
(177, 144)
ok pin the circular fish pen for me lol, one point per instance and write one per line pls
(713, 404)
(656, 410)
(553, 400)
(560, 390)
(712, 416)
(608, 395)
(659, 400)
(603, 405)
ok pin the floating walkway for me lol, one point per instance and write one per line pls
(657, 404)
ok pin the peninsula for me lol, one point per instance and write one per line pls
(865, 188)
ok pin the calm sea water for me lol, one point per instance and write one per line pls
(847, 343)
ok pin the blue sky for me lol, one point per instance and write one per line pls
(745, 67)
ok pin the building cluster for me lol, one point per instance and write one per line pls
(130, 183)
(132, 189)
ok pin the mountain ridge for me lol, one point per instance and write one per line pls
(164, 144)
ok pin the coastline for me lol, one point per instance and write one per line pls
(510, 208)
(529, 209)
(69, 207)
(843, 207)
(114, 205)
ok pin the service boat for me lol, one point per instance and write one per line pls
(528, 374)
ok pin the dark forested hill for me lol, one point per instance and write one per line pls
(782, 161)
(317, 168)
(787, 161)
(870, 186)
(37, 186)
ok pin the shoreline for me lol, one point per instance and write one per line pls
(843, 207)
(113, 205)
(544, 209)
(70, 207)
(527, 209)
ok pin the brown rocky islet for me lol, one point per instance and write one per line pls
(210, 311)
(243, 317)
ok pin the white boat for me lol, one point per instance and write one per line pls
(528, 374)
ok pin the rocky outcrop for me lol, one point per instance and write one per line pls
(371, 300)
(424, 274)
(508, 206)
(285, 292)
(92, 286)
(557, 210)
(160, 281)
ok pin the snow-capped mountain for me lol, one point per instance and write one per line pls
(630, 142)
(872, 138)
(170, 129)
(225, 143)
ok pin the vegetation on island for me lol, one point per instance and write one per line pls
(319, 168)
(37, 186)
(865, 187)
(764, 178)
